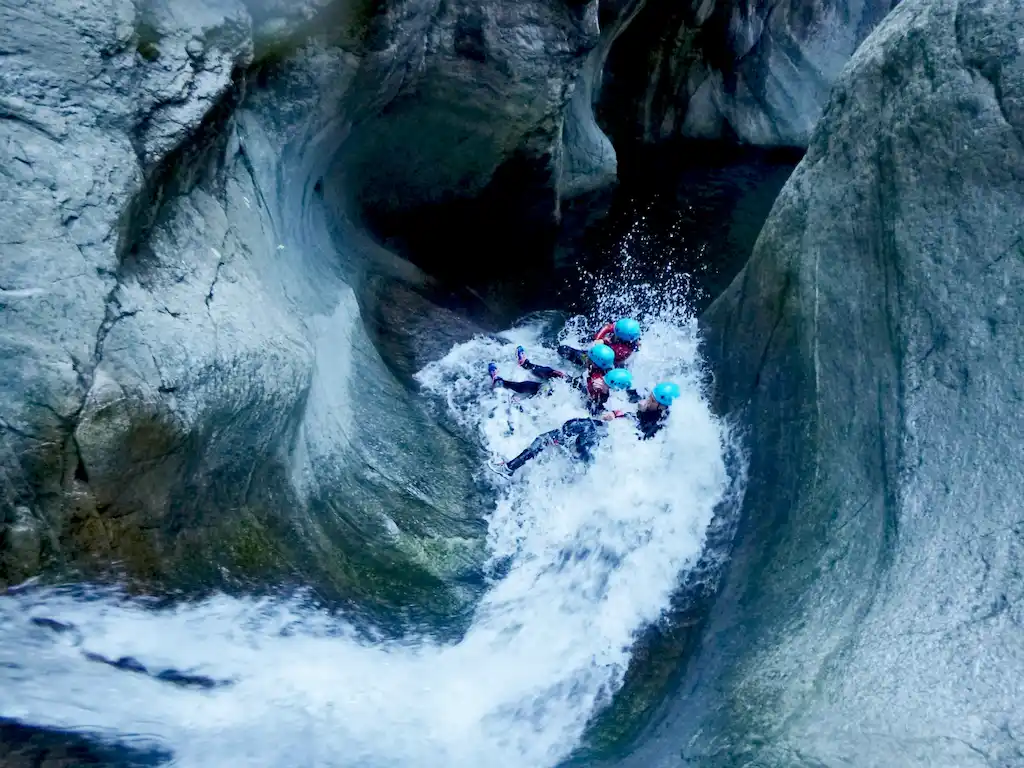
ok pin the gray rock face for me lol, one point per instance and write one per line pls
(874, 611)
(745, 70)
(468, 86)
(93, 97)
(189, 382)
(588, 157)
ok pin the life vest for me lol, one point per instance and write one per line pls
(596, 386)
(622, 349)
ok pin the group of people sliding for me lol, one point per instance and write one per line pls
(604, 370)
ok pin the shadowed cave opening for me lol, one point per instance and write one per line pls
(688, 206)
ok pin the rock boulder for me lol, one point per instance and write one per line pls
(741, 70)
(873, 611)
(191, 390)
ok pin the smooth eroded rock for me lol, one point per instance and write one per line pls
(193, 393)
(873, 611)
(750, 71)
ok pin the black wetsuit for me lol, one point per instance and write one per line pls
(589, 432)
(530, 388)
(573, 355)
(596, 396)
(586, 432)
(648, 422)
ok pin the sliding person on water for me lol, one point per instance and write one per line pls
(648, 419)
(623, 336)
(598, 362)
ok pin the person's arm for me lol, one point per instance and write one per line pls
(634, 396)
(597, 394)
(617, 414)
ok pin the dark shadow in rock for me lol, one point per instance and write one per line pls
(173, 676)
(753, 73)
(692, 206)
(188, 681)
(52, 624)
(492, 252)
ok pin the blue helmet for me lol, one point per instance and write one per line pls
(665, 393)
(602, 356)
(618, 378)
(627, 329)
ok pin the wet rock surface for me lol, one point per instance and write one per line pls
(469, 134)
(208, 356)
(468, 86)
(872, 614)
(24, 747)
(95, 97)
(194, 391)
(740, 70)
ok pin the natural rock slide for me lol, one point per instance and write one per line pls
(221, 263)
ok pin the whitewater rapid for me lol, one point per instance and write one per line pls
(581, 560)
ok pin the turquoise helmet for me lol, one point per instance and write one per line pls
(627, 329)
(618, 378)
(602, 356)
(666, 392)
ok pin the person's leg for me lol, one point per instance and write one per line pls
(540, 371)
(588, 433)
(538, 445)
(527, 388)
(576, 356)
(543, 371)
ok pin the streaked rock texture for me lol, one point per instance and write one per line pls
(873, 612)
(190, 386)
(740, 70)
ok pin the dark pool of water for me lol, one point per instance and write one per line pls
(690, 208)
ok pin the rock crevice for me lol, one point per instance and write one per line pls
(736, 70)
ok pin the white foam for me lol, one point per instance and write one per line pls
(595, 553)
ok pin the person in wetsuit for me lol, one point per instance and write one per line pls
(650, 416)
(652, 412)
(598, 361)
(586, 432)
(525, 388)
(623, 336)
